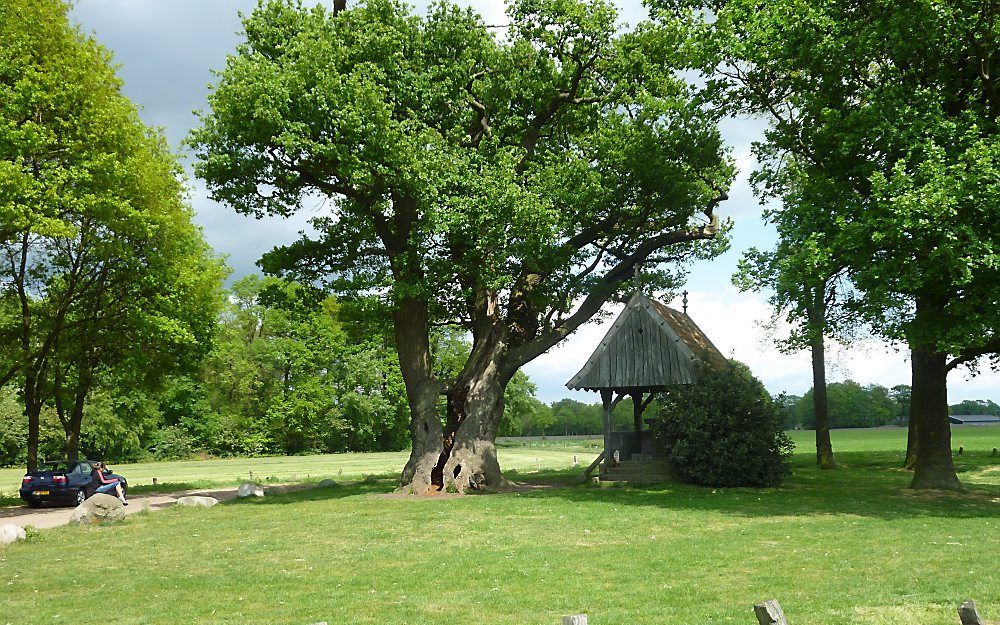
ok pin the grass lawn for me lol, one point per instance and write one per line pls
(852, 546)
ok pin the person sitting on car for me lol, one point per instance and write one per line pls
(107, 484)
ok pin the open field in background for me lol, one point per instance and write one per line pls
(221, 471)
(885, 445)
(852, 547)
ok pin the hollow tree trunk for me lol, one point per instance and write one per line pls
(463, 454)
(469, 457)
(934, 467)
(821, 406)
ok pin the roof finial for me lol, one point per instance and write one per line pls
(684, 301)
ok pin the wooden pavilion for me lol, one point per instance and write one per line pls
(649, 348)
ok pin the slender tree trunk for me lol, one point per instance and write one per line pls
(934, 467)
(75, 426)
(910, 460)
(32, 410)
(821, 406)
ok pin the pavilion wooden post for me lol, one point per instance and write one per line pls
(608, 405)
(637, 408)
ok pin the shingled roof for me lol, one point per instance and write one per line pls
(650, 347)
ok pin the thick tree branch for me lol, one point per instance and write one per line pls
(971, 354)
(531, 137)
(612, 281)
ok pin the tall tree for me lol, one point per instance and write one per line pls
(92, 211)
(504, 185)
(891, 110)
(807, 291)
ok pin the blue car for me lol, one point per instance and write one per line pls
(67, 483)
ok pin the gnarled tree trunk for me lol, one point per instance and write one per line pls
(475, 408)
(462, 454)
(413, 346)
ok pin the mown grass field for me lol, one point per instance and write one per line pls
(850, 546)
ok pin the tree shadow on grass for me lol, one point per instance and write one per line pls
(340, 490)
(865, 486)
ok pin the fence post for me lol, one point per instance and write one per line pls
(575, 619)
(969, 614)
(769, 613)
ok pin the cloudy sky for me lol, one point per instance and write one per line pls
(167, 50)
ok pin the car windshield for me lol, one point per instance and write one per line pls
(56, 466)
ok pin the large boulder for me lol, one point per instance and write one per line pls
(100, 508)
(195, 501)
(10, 533)
(249, 489)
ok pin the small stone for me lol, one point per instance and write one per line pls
(100, 508)
(10, 533)
(249, 489)
(575, 619)
(194, 501)
(326, 484)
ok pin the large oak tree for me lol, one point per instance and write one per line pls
(503, 181)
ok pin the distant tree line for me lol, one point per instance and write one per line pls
(287, 370)
(852, 405)
(569, 417)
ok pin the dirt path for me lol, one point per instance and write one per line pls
(46, 517)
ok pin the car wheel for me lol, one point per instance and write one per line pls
(81, 496)
(34, 503)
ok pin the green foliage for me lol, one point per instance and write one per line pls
(852, 405)
(285, 377)
(173, 443)
(106, 281)
(119, 425)
(483, 181)
(788, 406)
(975, 406)
(901, 394)
(522, 411)
(13, 429)
(724, 430)
(883, 147)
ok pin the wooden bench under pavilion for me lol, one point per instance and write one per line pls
(649, 348)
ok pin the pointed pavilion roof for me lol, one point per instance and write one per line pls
(649, 346)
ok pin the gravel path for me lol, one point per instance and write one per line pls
(46, 517)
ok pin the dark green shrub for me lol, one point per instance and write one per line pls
(724, 430)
